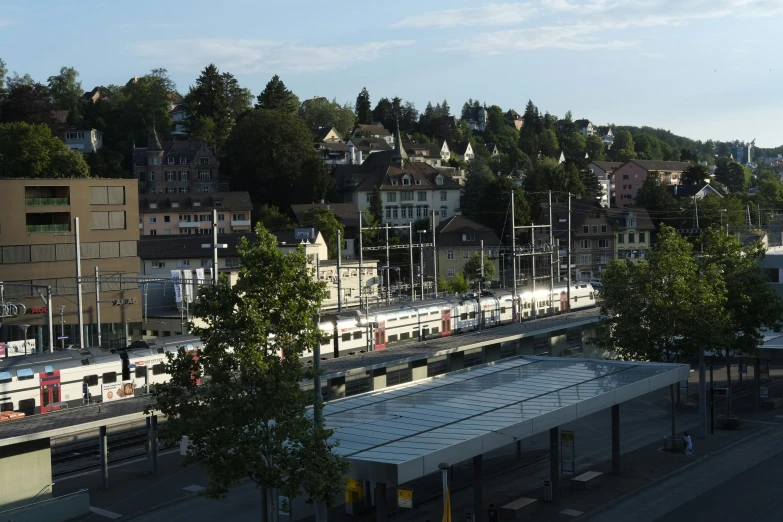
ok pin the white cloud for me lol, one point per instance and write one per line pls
(573, 37)
(251, 56)
(5, 22)
(486, 15)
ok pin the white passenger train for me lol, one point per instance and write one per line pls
(43, 383)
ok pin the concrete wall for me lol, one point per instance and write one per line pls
(57, 509)
(25, 471)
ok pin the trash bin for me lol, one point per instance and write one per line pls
(547, 491)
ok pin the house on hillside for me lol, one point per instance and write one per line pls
(429, 153)
(346, 213)
(477, 119)
(333, 153)
(464, 151)
(604, 171)
(457, 239)
(630, 176)
(698, 191)
(607, 136)
(585, 127)
(374, 131)
(327, 135)
(515, 119)
(84, 140)
(633, 230)
(359, 149)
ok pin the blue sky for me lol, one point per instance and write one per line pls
(701, 68)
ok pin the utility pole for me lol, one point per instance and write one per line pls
(696, 206)
(568, 252)
(551, 255)
(79, 303)
(49, 317)
(434, 258)
(98, 304)
(758, 211)
(533, 261)
(361, 262)
(388, 268)
(413, 276)
(62, 327)
(214, 246)
(339, 272)
(320, 512)
(421, 262)
(481, 281)
(514, 317)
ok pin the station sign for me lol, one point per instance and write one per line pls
(304, 233)
(38, 310)
(405, 498)
(119, 302)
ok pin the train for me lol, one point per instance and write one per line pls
(48, 382)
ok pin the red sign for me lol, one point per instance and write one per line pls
(39, 310)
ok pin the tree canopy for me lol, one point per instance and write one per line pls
(472, 268)
(66, 90)
(30, 151)
(324, 220)
(324, 113)
(363, 107)
(277, 97)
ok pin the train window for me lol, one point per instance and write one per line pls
(27, 406)
(91, 380)
(389, 319)
(346, 337)
(472, 315)
(109, 377)
(592, 296)
(160, 350)
(85, 362)
(392, 338)
(502, 309)
(357, 335)
(24, 373)
(141, 372)
(6, 406)
(5, 377)
(463, 316)
(437, 312)
(404, 336)
(326, 342)
(49, 370)
(158, 369)
(434, 330)
(189, 347)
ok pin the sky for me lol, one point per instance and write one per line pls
(705, 69)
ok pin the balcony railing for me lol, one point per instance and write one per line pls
(63, 227)
(188, 224)
(45, 202)
(240, 222)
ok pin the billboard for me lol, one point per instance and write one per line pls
(115, 391)
(17, 348)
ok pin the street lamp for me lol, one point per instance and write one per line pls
(24, 328)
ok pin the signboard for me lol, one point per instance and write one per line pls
(115, 391)
(120, 302)
(199, 279)
(38, 310)
(567, 453)
(304, 233)
(187, 276)
(764, 392)
(177, 286)
(17, 348)
(405, 498)
(764, 374)
(284, 505)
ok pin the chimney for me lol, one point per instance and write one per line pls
(358, 156)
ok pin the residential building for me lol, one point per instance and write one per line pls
(409, 190)
(742, 152)
(515, 119)
(359, 148)
(493, 149)
(698, 191)
(346, 213)
(464, 151)
(84, 140)
(176, 167)
(607, 136)
(183, 214)
(633, 230)
(457, 239)
(178, 117)
(97, 93)
(604, 170)
(158, 255)
(327, 135)
(373, 131)
(429, 153)
(477, 120)
(307, 103)
(585, 127)
(333, 153)
(37, 246)
(630, 176)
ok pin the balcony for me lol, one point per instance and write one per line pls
(34, 229)
(188, 224)
(240, 223)
(46, 202)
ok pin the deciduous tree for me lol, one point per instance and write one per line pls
(695, 174)
(324, 113)
(324, 220)
(30, 151)
(66, 90)
(472, 268)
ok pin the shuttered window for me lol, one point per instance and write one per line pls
(16, 254)
(117, 220)
(110, 249)
(127, 249)
(99, 220)
(99, 195)
(91, 250)
(116, 195)
(65, 252)
(42, 253)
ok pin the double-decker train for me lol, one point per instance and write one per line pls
(47, 382)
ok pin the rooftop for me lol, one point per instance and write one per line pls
(207, 201)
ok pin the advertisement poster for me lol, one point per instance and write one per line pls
(187, 277)
(17, 348)
(199, 279)
(117, 390)
(177, 286)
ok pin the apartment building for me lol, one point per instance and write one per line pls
(630, 176)
(84, 140)
(173, 214)
(37, 247)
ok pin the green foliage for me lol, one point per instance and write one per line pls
(592, 187)
(654, 197)
(325, 113)
(271, 154)
(271, 218)
(623, 148)
(717, 212)
(547, 142)
(695, 174)
(455, 285)
(107, 163)
(324, 220)
(144, 104)
(363, 108)
(276, 97)
(67, 91)
(494, 205)
(732, 174)
(376, 205)
(30, 151)
(385, 113)
(249, 419)
(12, 82)
(3, 73)
(472, 268)
(28, 103)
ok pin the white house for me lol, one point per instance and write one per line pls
(84, 140)
(585, 127)
(464, 151)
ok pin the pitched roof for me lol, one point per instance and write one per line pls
(651, 165)
(371, 130)
(643, 221)
(368, 145)
(460, 148)
(207, 201)
(450, 233)
(321, 132)
(347, 213)
(186, 246)
(513, 114)
(379, 170)
(607, 166)
(582, 123)
(179, 148)
(430, 150)
(688, 191)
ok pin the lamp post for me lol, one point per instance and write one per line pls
(62, 327)
(444, 471)
(421, 261)
(24, 328)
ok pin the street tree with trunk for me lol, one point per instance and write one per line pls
(248, 418)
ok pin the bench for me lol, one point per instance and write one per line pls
(771, 404)
(587, 481)
(518, 509)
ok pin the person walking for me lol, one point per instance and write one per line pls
(688, 444)
(492, 514)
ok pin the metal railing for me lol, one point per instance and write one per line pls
(63, 227)
(46, 202)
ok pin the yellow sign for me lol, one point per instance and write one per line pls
(567, 436)
(354, 491)
(405, 498)
(353, 485)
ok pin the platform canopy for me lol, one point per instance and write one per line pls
(402, 433)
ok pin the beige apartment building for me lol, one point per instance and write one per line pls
(173, 214)
(37, 247)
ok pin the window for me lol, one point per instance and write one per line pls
(153, 219)
(183, 190)
(221, 230)
(357, 335)
(391, 197)
(369, 197)
(203, 161)
(7, 406)
(170, 160)
(603, 229)
(5, 377)
(183, 175)
(171, 190)
(406, 181)
(465, 254)
(346, 337)
(185, 263)
(239, 217)
(204, 217)
(406, 196)
(183, 160)
(151, 177)
(204, 174)
(153, 232)
(620, 238)
(158, 264)
(602, 259)
(153, 161)
(451, 272)
(625, 176)
(422, 196)
(27, 406)
(388, 212)
(595, 229)
(184, 217)
(141, 372)
(394, 212)
(631, 237)
(630, 221)
(449, 254)
(468, 237)
(439, 180)
(409, 212)
(584, 259)
(626, 196)
(221, 217)
(444, 212)
(75, 136)
(109, 377)
(169, 175)
(603, 243)
(418, 182)
(586, 229)
(444, 196)
(641, 237)
(585, 243)
(158, 369)
(167, 219)
(394, 182)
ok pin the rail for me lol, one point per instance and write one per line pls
(46, 202)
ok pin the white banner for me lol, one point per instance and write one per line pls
(17, 348)
(187, 277)
(117, 390)
(177, 286)
(199, 279)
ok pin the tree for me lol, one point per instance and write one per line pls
(653, 195)
(456, 285)
(324, 220)
(386, 113)
(547, 142)
(66, 89)
(695, 174)
(144, 104)
(249, 420)
(12, 82)
(751, 306)
(3, 73)
(28, 103)
(717, 212)
(363, 108)
(495, 205)
(324, 113)
(623, 147)
(30, 151)
(270, 152)
(477, 179)
(277, 97)
(240, 99)
(592, 187)
(271, 218)
(732, 174)
(472, 268)
(376, 205)
(107, 163)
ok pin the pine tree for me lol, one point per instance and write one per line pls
(363, 108)
(277, 97)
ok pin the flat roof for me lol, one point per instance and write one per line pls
(402, 433)
(72, 420)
